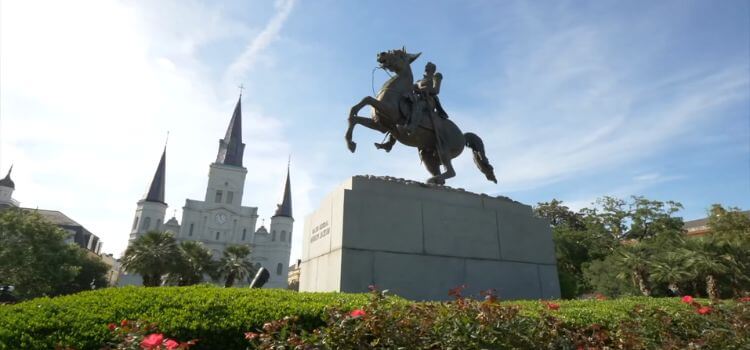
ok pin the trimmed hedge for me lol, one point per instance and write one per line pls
(218, 317)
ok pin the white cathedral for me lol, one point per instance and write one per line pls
(220, 219)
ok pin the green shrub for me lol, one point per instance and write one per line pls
(471, 324)
(218, 317)
(636, 323)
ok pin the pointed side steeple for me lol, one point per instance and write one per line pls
(285, 208)
(231, 147)
(156, 190)
(6, 181)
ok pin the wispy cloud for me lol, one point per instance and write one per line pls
(567, 110)
(268, 35)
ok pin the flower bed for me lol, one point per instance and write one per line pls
(234, 318)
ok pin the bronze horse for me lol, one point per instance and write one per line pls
(438, 140)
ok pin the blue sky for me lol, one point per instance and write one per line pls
(574, 100)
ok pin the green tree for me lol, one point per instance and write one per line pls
(634, 262)
(649, 218)
(559, 214)
(235, 264)
(672, 268)
(708, 264)
(729, 238)
(579, 238)
(92, 273)
(35, 259)
(608, 277)
(152, 255)
(195, 263)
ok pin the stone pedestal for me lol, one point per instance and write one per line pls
(418, 242)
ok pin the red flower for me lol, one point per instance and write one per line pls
(357, 313)
(123, 323)
(552, 306)
(111, 326)
(687, 299)
(456, 292)
(251, 335)
(151, 341)
(745, 299)
(171, 344)
(704, 310)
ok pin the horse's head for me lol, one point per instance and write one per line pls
(396, 60)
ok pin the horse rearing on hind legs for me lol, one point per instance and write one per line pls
(438, 139)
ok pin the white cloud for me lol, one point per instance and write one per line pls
(567, 110)
(89, 91)
(268, 35)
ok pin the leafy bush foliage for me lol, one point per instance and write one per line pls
(217, 317)
(635, 323)
(227, 318)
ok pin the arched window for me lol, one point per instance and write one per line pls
(283, 236)
(146, 223)
(279, 267)
(217, 235)
(158, 224)
(244, 233)
(273, 236)
(135, 223)
(190, 233)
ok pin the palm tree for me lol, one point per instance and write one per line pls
(235, 264)
(708, 263)
(634, 259)
(151, 255)
(673, 268)
(195, 262)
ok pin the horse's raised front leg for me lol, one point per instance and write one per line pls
(354, 119)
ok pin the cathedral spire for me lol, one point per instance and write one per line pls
(6, 181)
(231, 147)
(156, 190)
(285, 208)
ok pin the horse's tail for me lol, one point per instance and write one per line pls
(480, 159)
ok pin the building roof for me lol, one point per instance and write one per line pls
(6, 181)
(285, 208)
(231, 147)
(156, 190)
(55, 217)
(701, 225)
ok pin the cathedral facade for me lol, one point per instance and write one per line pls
(220, 219)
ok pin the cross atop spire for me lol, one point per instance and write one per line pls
(231, 147)
(156, 190)
(285, 208)
(6, 181)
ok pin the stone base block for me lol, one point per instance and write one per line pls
(420, 241)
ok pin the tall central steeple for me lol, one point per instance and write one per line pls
(285, 208)
(156, 190)
(231, 147)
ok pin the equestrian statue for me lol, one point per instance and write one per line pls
(411, 113)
